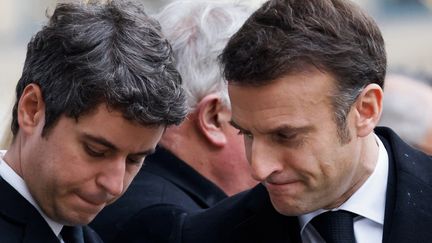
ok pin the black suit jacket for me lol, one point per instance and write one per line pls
(249, 217)
(21, 222)
(164, 188)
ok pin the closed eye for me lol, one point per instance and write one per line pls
(291, 140)
(93, 151)
(137, 161)
(284, 136)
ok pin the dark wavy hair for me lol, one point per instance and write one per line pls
(286, 36)
(113, 53)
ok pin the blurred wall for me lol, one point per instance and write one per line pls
(19, 19)
(406, 26)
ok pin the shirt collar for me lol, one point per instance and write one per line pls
(369, 200)
(11, 177)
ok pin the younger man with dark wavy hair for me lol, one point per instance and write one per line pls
(97, 91)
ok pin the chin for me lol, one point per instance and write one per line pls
(79, 220)
(289, 208)
(74, 217)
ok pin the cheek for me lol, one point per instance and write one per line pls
(236, 147)
(131, 172)
(310, 163)
(334, 167)
(40, 161)
(70, 166)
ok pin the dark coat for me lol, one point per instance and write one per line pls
(250, 218)
(21, 222)
(164, 187)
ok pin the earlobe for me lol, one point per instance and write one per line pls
(369, 109)
(31, 108)
(210, 118)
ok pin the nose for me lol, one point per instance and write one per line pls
(111, 179)
(263, 160)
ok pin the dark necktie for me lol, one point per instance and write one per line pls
(72, 234)
(335, 226)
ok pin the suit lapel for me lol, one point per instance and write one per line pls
(277, 228)
(164, 163)
(39, 231)
(391, 192)
(16, 208)
(408, 215)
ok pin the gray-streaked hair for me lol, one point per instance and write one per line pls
(287, 36)
(198, 31)
(95, 53)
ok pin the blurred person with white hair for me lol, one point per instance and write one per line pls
(408, 110)
(202, 161)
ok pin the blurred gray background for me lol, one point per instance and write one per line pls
(406, 25)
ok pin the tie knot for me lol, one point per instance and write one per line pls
(335, 226)
(72, 234)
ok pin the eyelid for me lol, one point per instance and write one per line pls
(287, 136)
(135, 161)
(292, 140)
(96, 152)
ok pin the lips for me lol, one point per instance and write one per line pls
(279, 183)
(94, 200)
(279, 186)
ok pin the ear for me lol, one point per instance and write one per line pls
(369, 109)
(31, 109)
(210, 111)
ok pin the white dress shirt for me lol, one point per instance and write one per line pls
(368, 202)
(11, 177)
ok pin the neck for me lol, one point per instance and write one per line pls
(365, 164)
(190, 149)
(13, 156)
(207, 160)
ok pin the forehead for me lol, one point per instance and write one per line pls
(296, 98)
(112, 126)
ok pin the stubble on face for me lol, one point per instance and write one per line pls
(326, 169)
(65, 179)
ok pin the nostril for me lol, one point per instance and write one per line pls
(112, 181)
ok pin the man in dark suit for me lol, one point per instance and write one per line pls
(250, 217)
(97, 91)
(305, 83)
(202, 160)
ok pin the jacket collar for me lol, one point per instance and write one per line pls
(16, 208)
(408, 214)
(167, 165)
(281, 228)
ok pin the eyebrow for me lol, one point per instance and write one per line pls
(282, 128)
(291, 129)
(104, 142)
